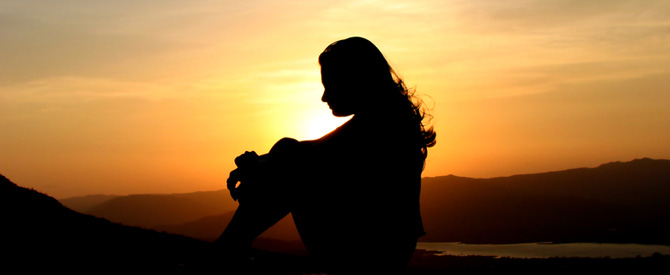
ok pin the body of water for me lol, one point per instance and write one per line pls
(547, 250)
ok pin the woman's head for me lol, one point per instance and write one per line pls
(354, 74)
(357, 79)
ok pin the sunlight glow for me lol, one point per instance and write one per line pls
(161, 96)
(321, 124)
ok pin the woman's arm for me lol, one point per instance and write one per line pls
(251, 167)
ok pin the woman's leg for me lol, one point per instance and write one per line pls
(250, 220)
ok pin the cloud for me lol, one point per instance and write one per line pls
(84, 89)
(534, 15)
(111, 39)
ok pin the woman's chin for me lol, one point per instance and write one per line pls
(341, 113)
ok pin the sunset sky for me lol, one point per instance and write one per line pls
(126, 97)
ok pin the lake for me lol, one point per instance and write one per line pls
(547, 250)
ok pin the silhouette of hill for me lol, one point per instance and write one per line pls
(623, 202)
(85, 204)
(40, 234)
(149, 210)
(614, 202)
(200, 215)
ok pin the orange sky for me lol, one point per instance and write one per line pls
(159, 96)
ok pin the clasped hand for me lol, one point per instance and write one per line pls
(245, 163)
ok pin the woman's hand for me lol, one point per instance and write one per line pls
(245, 163)
(250, 166)
(247, 159)
(232, 181)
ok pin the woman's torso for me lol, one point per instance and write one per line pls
(360, 183)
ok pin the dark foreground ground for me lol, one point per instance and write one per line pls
(426, 262)
(41, 236)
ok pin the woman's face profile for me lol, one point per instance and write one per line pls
(339, 91)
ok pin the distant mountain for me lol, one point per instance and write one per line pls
(85, 204)
(40, 234)
(201, 215)
(150, 210)
(615, 202)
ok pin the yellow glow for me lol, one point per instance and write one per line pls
(162, 97)
(321, 124)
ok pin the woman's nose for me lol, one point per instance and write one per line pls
(324, 97)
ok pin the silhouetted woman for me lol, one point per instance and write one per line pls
(354, 193)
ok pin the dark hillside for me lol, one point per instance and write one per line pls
(616, 202)
(84, 204)
(42, 235)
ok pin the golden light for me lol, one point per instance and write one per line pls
(320, 124)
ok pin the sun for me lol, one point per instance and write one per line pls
(319, 124)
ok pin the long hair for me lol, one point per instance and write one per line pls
(368, 67)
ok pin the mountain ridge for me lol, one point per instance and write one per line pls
(614, 202)
(43, 235)
(608, 203)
